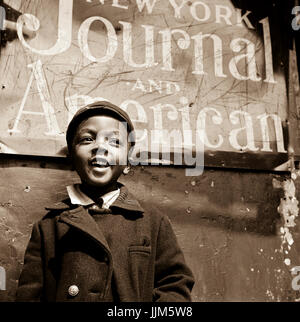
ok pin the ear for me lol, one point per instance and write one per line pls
(126, 170)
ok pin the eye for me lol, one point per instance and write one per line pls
(85, 139)
(114, 141)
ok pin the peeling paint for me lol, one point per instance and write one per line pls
(289, 204)
(286, 237)
(270, 295)
(288, 209)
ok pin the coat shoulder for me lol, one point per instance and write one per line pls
(154, 215)
(55, 209)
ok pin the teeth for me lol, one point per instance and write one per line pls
(100, 164)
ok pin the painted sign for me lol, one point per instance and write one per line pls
(191, 74)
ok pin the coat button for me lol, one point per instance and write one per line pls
(146, 241)
(73, 290)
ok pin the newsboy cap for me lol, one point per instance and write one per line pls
(104, 108)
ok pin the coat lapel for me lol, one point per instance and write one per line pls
(82, 220)
(126, 201)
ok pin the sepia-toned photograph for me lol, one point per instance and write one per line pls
(149, 152)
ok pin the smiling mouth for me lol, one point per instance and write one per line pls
(100, 163)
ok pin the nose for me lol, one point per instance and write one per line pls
(100, 147)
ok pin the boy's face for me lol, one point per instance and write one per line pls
(99, 150)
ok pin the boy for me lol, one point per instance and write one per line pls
(99, 244)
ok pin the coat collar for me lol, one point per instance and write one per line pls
(125, 201)
(78, 216)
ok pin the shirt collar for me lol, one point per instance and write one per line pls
(77, 197)
(125, 201)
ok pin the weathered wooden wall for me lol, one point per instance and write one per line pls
(226, 222)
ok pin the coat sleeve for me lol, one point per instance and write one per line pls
(31, 279)
(173, 279)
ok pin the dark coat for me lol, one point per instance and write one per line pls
(139, 260)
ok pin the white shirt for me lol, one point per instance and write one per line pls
(77, 197)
